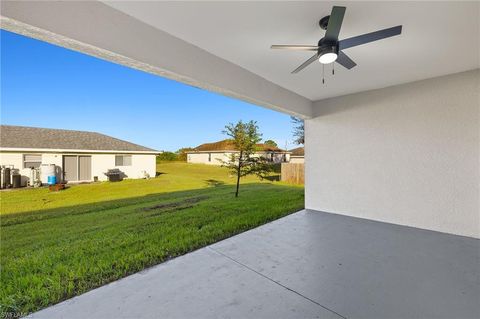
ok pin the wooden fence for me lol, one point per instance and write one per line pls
(293, 173)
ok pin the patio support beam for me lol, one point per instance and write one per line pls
(97, 29)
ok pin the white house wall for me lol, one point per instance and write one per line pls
(16, 159)
(407, 154)
(100, 164)
(202, 158)
(217, 158)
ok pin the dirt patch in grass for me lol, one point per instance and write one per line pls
(185, 203)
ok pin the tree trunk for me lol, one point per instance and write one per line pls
(238, 173)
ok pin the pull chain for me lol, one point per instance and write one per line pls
(333, 68)
(323, 73)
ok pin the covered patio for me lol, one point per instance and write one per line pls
(307, 265)
(392, 147)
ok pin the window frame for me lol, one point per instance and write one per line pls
(35, 154)
(123, 157)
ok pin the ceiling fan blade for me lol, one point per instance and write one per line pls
(305, 64)
(335, 23)
(344, 60)
(295, 47)
(369, 37)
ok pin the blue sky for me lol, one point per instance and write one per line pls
(44, 85)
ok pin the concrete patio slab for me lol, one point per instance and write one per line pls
(306, 265)
(365, 269)
(202, 284)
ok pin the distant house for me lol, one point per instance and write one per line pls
(297, 155)
(77, 155)
(215, 153)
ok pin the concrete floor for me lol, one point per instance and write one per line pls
(307, 265)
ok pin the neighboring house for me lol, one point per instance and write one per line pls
(215, 153)
(77, 155)
(297, 155)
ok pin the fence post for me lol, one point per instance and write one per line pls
(293, 173)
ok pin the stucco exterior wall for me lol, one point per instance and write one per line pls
(217, 158)
(202, 158)
(16, 159)
(407, 154)
(100, 164)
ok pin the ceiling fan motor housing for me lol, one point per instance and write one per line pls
(327, 47)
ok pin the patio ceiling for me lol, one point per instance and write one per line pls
(224, 46)
(438, 38)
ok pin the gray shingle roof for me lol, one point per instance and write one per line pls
(299, 151)
(47, 138)
(228, 145)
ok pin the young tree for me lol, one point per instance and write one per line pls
(245, 137)
(298, 130)
(270, 143)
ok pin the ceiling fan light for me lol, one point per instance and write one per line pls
(327, 58)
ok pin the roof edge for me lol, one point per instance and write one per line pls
(234, 151)
(59, 150)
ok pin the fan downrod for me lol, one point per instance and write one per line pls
(324, 22)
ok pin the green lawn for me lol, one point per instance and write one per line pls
(58, 245)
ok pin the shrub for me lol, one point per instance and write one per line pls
(167, 156)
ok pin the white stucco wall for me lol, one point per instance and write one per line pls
(100, 164)
(217, 158)
(407, 154)
(202, 158)
(16, 159)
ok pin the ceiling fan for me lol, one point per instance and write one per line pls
(329, 48)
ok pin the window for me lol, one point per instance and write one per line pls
(123, 160)
(32, 160)
(209, 157)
